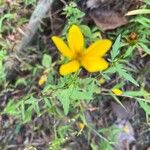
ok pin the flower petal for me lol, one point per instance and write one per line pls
(99, 48)
(94, 64)
(62, 47)
(70, 67)
(42, 80)
(75, 39)
(117, 91)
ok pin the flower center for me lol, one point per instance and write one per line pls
(78, 56)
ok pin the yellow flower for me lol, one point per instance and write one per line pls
(102, 81)
(91, 58)
(126, 128)
(80, 125)
(42, 79)
(117, 91)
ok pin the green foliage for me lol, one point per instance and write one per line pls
(2, 69)
(129, 51)
(23, 109)
(62, 97)
(56, 144)
(30, 2)
(116, 47)
(147, 2)
(120, 69)
(91, 34)
(46, 61)
(145, 106)
(72, 91)
(123, 73)
(143, 31)
(73, 15)
(111, 133)
(144, 28)
(2, 18)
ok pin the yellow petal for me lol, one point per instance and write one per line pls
(99, 48)
(42, 80)
(80, 125)
(117, 91)
(126, 128)
(75, 39)
(102, 81)
(70, 67)
(62, 47)
(94, 64)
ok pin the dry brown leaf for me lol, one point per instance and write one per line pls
(107, 19)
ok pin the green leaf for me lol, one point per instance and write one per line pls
(110, 70)
(116, 47)
(77, 94)
(117, 100)
(46, 61)
(36, 107)
(137, 12)
(128, 77)
(123, 73)
(28, 114)
(23, 111)
(20, 81)
(145, 48)
(11, 108)
(86, 30)
(135, 93)
(64, 98)
(147, 2)
(143, 20)
(145, 106)
(6, 16)
(129, 51)
(47, 102)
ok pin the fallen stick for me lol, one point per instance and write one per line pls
(13, 61)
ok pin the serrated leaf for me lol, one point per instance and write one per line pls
(64, 98)
(115, 48)
(46, 61)
(123, 73)
(80, 95)
(128, 77)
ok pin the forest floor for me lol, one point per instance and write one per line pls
(42, 110)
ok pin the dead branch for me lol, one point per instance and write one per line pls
(12, 63)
